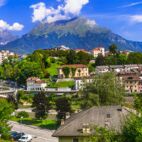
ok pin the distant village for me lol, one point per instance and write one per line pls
(129, 75)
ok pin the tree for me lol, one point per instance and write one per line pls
(71, 57)
(100, 60)
(138, 102)
(6, 110)
(83, 57)
(134, 58)
(113, 49)
(23, 114)
(63, 106)
(104, 135)
(106, 90)
(41, 104)
(132, 130)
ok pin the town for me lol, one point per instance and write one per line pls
(70, 71)
(59, 86)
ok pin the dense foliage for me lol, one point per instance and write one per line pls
(119, 59)
(41, 104)
(6, 110)
(63, 106)
(42, 63)
(105, 90)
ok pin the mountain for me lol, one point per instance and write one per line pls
(6, 37)
(75, 33)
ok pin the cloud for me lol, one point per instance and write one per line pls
(2, 2)
(14, 27)
(91, 23)
(66, 10)
(131, 4)
(136, 18)
(74, 6)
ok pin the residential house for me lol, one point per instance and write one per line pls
(102, 69)
(73, 71)
(58, 48)
(81, 82)
(35, 84)
(132, 84)
(98, 51)
(80, 126)
(130, 81)
(4, 54)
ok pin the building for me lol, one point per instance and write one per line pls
(98, 51)
(102, 69)
(58, 48)
(80, 126)
(73, 71)
(82, 50)
(119, 68)
(35, 84)
(131, 82)
(4, 54)
(81, 82)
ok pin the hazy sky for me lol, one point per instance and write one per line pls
(123, 17)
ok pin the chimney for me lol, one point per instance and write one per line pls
(62, 122)
(67, 115)
(107, 124)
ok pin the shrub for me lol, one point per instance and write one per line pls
(22, 114)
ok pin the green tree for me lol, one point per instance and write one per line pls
(105, 88)
(71, 57)
(6, 110)
(105, 135)
(113, 49)
(83, 57)
(132, 130)
(134, 58)
(100, 60)
(63, 106)
(41, 104)
(22, 114)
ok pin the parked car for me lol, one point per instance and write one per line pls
(25, 138)
(16, 135)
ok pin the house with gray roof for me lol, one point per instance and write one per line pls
(80, 126)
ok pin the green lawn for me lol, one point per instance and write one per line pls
(52, 70)
(63, 84)
(46, 123)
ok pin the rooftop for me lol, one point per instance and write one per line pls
(74, 66)
(93, 116)
(35, 79)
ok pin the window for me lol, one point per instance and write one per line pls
(108, 115)
(75, 140)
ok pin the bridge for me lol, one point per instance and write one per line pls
(5, 92)
(53, 91)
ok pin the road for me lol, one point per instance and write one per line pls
(39, 135)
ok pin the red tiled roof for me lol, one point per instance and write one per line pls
(74, 66)
(97, 49)
(36, 80)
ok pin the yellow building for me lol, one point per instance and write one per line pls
(130, 81)
(73, 71)
(132, 84)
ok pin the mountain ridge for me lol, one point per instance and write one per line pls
(75, 33)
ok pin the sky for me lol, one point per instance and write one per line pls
(123, 17)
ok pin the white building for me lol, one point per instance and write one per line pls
(98, 51)
(4, 54)
(81, 82)
(35, 84)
